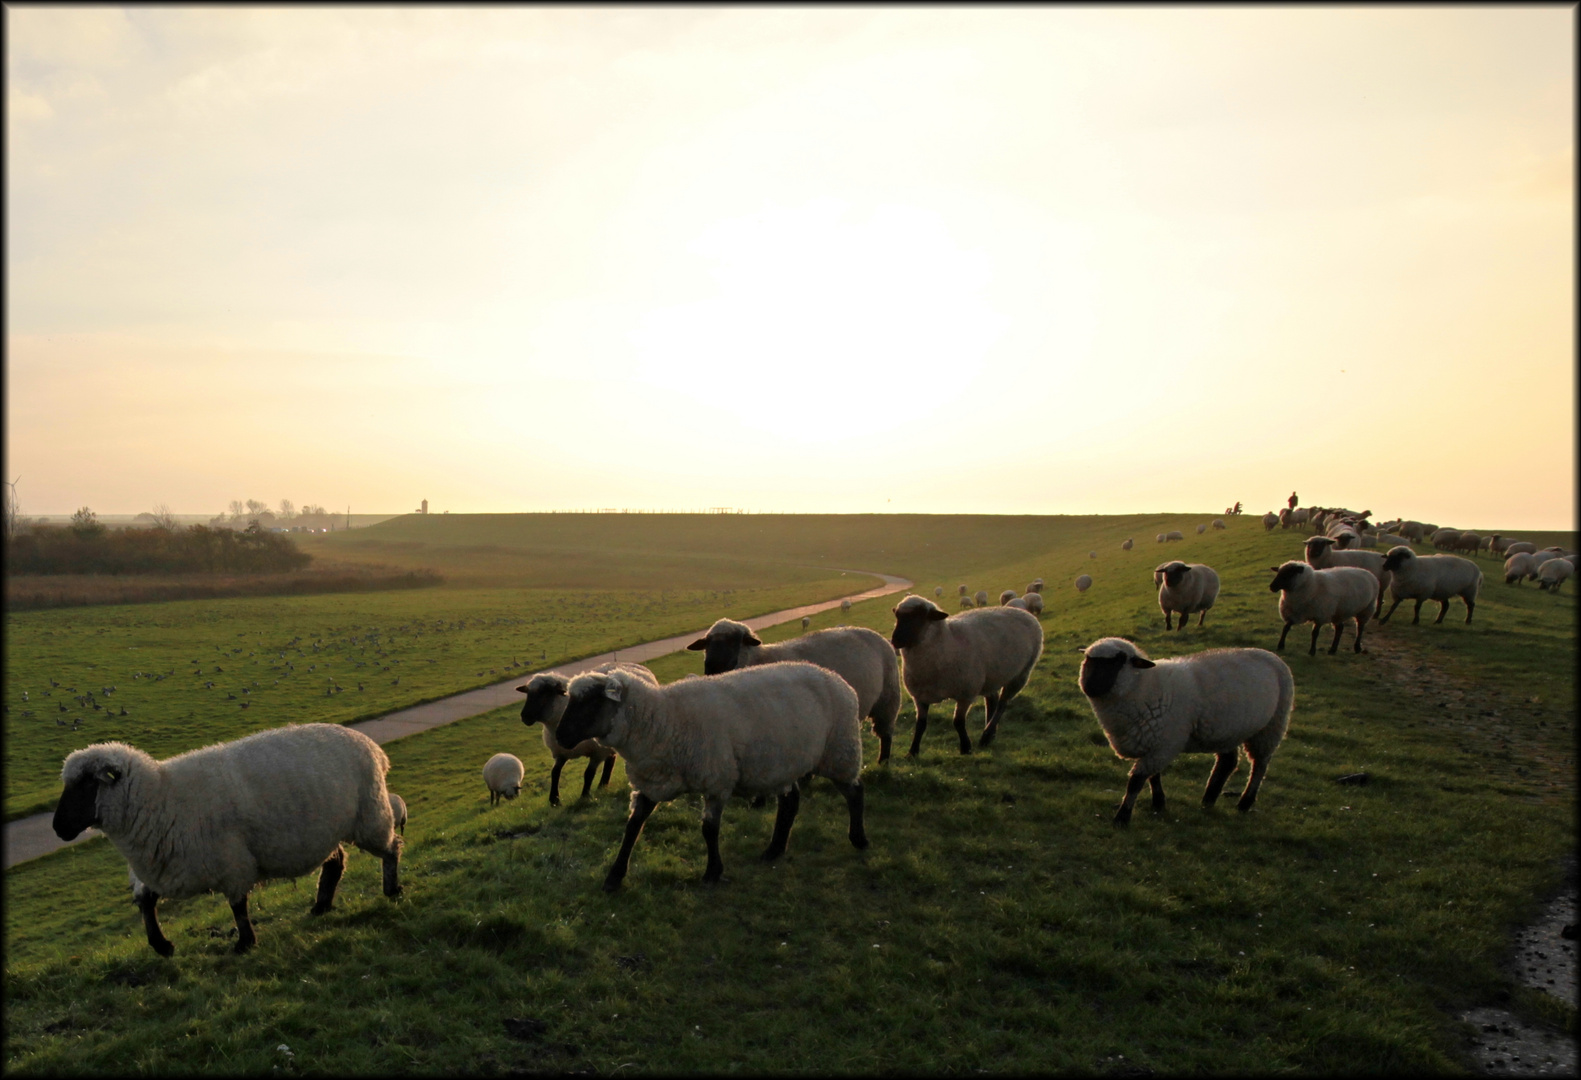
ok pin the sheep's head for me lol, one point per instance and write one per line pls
(97, 779)
(1170, 573)
(1105, 661)
(721, 646)
(545, 698)
(595, 700)
(913, 616)
(1290, 575)
(1398, 557)
(1317, 547)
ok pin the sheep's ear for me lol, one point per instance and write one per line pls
(698, 646)
(751, 639)
(521, 689)
(1142, 662)
(1275, 569)
(936, 614)
(613, 690)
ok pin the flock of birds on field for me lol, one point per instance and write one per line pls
(765, 719)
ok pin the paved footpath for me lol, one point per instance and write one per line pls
(30, 837)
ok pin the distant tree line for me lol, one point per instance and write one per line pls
(241, 515)
(86, 547)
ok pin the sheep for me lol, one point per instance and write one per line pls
(1519, 567)
(1320, 555)
(1552, 573)
(1540, 557)
(1218, 523)
(1036, 585)
(545, 703)
(1174, 534)
(1019, 602)
(1414, 529)
(1299, 516)
(845, 606)
(938, 592)
(959, 658)
(1468, 541)
(503, 775)
(398, 812)
(1202, 528)
(1185, 588)
(1270, 520)
(858, 655)
(1126, 544)
(1334, 595)
(806, 620)
(1007, 596)
(1285, 520)
(1084, 583)
(1390, 540)
(747, 732)
(1211, 702)
(982, 598)
(223, 818)
(966, 602)
(1159, 538)
(1092, 554)
(961, 589)
(1431, 577)
(1034, 602)
(1498, 544)
(1520, 547)
(1444, 539)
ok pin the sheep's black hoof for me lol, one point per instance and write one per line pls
(554, 800)
(1122, 817)
(859, 842)
(611, 883)
(243, 946)
(771, 853)
(318, 909)
(163, 948)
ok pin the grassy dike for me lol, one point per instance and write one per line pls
(998, 921)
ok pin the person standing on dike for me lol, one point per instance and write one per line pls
(1293, 500)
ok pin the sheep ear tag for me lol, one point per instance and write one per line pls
(698, 646)
(614, 691)
(1139, 662)
(109, 775)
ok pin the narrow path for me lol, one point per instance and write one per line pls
(29, 837)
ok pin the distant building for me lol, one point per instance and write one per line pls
(424, 510)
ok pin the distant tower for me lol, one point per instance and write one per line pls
(424, 510)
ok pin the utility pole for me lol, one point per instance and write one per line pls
(348, 517)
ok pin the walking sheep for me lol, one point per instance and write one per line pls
(1444, 539)
(747, 732)
(1322, 597)
(988, 654)
(398, 812)
(1084, 583)
(1321, 555)
(503, 775)
(1431, 577)
(961, 589)
(858, 655)
(1036, 585)
(1468, 541)
(223, 818)
(806, 620)
(938, 592)
(1208, 703)
(845, 607)
(545, 704)
(1186, 589)
(1159, 538)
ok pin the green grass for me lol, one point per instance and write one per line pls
(1334, 929)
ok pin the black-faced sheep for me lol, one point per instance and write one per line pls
(545, 703)
(1185, 588)
(1431, 577)
(1324, 597)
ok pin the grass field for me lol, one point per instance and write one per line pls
(998, 922)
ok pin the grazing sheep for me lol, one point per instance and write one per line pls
(223, 818)
(1320, 554)
(1208, 703)
(1270, 520)
(1084, 583)
(1389, 540)
(398, 812)
(961, 589)
(1468, 541)
(961, 657)
(1174, 534)
(1185, 588)
(806, 620)
(1519, 567)
(1202, 528)
(1159, 538)
(938, 592)
(982, 598)
(1092, 554)
(503, 774)
(858, 655)
(1520, 547)
(1126, 544)
(546, 700)
(1007, 596)
(1036, 585)
(748, 732)
(1431, 577)
(1444, 539)
(845, 607)
(1218, 523)
(1499, 544)
(1019, 602)
(1034, 602)
(966, 602)
(1322, 597)
(1543, 556)
(1415, 530)
(1553, 573)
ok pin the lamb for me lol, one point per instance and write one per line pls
(1007, 596)
(1084, 583)
(1185, 588)
(223, 818)
(1126, 544)
(398, 812)
(1034, 602)
(1320, 555)
(858, 655)
(1520, 547)
(1174, 534)
(1270, 520)
(1218, 523)
(1334, 595)
(1553, 573)
(1202, 528)
(503, 775)
(1211, 702)
(546, 703)
(747, 732)
(982, 598)
(1431, 577)
(959, 658)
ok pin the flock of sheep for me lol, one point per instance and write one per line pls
(764, 719)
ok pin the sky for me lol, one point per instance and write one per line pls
(944, 260)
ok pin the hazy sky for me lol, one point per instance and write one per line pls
(1023, 260)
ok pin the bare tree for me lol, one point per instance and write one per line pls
(238, 509)
(255, 508)
(287, 510)
(164, 519)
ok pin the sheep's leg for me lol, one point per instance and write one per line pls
(1396, 604)
(1361, 624)
(960, 722)
(1133, 788)
(1156, 781)
(883, 747)
(1317, 628)
(1282, 633)
(854, 801)
(554, 781)
(1201, 617)
(1167, 616)
(993, 706)
(245, 938)
(1255, 781)
(1008, 691)
(392, 869)
(713, 810)
(805, 783)
(1223, 766)
(328, 881)
(1471, 605)
(641, 807)
(587, 777)
(789, 803)
(148, 904)
(1339, 628)
(1416, 616)
(1443, 609)
(609, 767)
(916, 735)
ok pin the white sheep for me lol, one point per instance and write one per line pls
(1543, 556)
(545, 703)
(1159, 538)
(1019, 602)
(806, 620)
(748, 732)
(1202, 528)
(987, 654)
(503, 774)
(1519, 567)
(961, 589)
(398, 812)
(982, 598)
(1444, 539)
(966, 602)
(1034, 602)
(1174, 534)
(1208, 703)
(1084, 583)
(223, 818)
(1218, 523)
(1270, 520)
(1126, 544)
(1007, 596)
(858, 655)
(1431, 577)
(938, 592)
(1520, 547)
(1553, 573)
(1036, 585)
(1468, 541)
(1321, 555)
(1185, 588)
(1324, 597)
(1092, 554)
(845, 606)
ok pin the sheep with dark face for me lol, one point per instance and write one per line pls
(987, 653)
(858, 655)
(1333, 596)
(1270, 521)
(545, 704)
(1185, 588)
(1321, 554)
(1431, 577)
(1213, 702)
(1127, 544)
